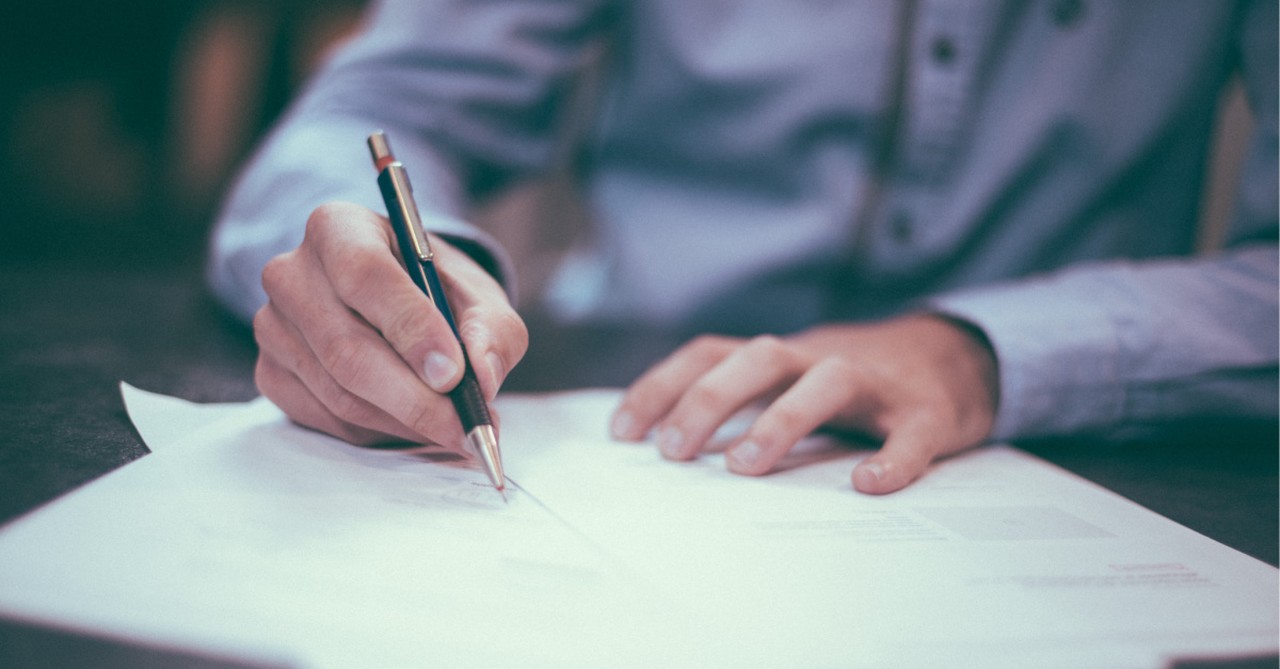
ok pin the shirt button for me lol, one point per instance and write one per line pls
(900, 227)
(1066, 13)
(943, 50)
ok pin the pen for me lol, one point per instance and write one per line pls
(419, 260)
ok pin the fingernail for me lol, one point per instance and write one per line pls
(622, 424)
(497, 371)
(669, 441)
(874, 470)
(439, 369)
(744, 455)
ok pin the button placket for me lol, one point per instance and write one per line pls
(901, 227)
(940, 78)
(1066, 13)
(942, 50)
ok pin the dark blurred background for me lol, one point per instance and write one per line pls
(121, 122)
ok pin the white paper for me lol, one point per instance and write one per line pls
(162, 420)
(250, 536)
(256, 538)
(995, 557)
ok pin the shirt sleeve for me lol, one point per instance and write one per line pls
(467, 92)
(1111, 347)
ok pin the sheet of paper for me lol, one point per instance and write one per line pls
(247, 535)
(252, 537)
(995, 556)
(162, 420)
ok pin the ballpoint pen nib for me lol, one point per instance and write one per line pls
(485, 444)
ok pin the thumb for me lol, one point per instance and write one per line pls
(907, 451)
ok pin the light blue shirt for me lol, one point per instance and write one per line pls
(756, 166)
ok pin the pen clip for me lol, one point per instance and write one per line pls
(409, 211)
(398, 181)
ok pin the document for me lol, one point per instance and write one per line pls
(252, 537)
(244, 534)
(995, 556)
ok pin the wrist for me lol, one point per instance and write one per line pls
(975, 352)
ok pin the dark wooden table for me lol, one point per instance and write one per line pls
(69, 333)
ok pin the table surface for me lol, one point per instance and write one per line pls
(69, 335)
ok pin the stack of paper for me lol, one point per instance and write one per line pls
(243, 534)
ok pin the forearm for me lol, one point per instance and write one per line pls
(463, 101)
(308, 162)
(1111, 346)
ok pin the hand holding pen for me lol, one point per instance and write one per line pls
(420, 262)
(350, 346)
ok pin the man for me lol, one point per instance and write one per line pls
(944, 222)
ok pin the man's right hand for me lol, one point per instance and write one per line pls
(348, 344)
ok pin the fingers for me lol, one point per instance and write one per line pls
(916, 381)
(355, 256)
(656, 392)
(906, 454)
(290, 374)
(297, 402)
(383, 294)
(494, 334)
(829, 388)
(349, 345)
(749, 372)
(344, 356)
(693, 393)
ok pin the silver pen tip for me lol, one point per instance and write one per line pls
(485, 444)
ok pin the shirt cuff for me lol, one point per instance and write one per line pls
(306, 166)
(1057, 352)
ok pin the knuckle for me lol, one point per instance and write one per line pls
(262, 328)
(357, 271)
(493, 328)
(837, 369)
(708, 349)
(365, 261)
(769, 353)
(346, 407)
(708, 343)
(703, 397)
(513, 330)
(264, 377)
(474, 325)
(768, 347)
(406, 327)
(787, 419)
(423, 419)
(347, 359)
(260, 318)
(324, 217)
(275, 274)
